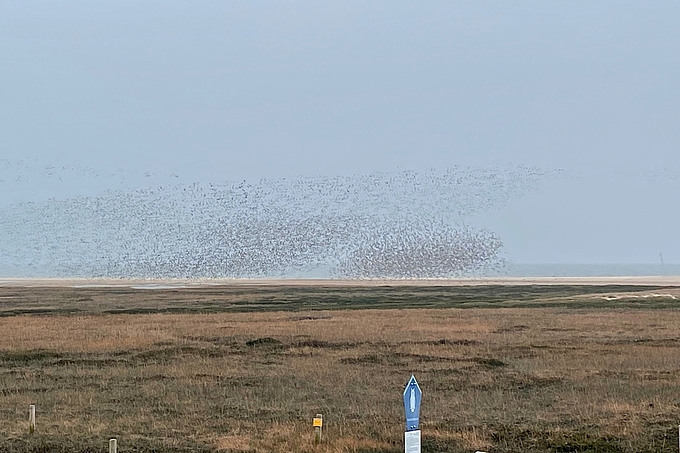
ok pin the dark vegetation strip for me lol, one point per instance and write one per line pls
(67, 301)
(507, 438)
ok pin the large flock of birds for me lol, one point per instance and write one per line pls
(381, 225)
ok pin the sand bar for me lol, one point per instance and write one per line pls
(193, 283)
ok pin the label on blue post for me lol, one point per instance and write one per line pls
(412, 442)
(412, 397)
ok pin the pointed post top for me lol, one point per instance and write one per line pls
(412, 397)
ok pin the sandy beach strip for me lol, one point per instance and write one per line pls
(151, 284)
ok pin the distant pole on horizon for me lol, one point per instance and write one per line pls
(661, 257)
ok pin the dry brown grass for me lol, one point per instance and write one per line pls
(506, 379)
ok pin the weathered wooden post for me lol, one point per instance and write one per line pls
(31, 419)
(318, 425)
(113, 446)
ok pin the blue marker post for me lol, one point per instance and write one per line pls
(412, 397)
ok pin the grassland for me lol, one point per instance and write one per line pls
(238, 369)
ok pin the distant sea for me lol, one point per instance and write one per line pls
(589, 270)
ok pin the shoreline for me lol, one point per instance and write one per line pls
(166, 283)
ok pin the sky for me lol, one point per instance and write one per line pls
(214, 91)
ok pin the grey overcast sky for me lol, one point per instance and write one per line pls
(234, 90)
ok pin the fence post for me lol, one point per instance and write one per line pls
(31, 419)
(318, 424)
(113, 446)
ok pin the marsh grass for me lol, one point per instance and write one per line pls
(65, 300)
(555, 379)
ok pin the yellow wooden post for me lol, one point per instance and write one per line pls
(318, 425)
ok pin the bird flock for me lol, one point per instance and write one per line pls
(380, 225)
